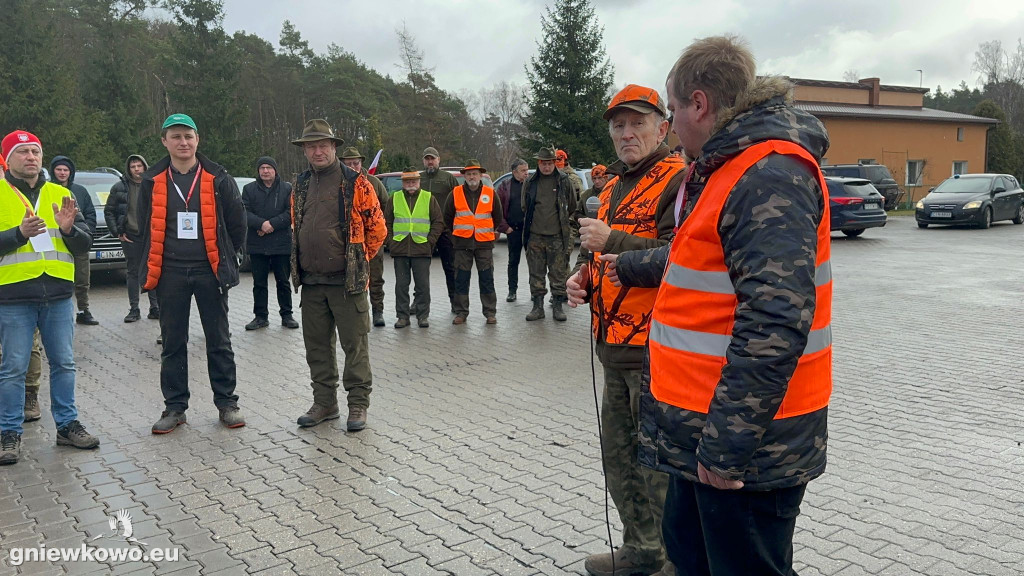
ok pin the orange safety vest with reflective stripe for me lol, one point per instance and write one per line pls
(479, 225)
(623, 312)
(158, 224)
(696, 305)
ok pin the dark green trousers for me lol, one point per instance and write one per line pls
(82, 281)
(638, 492)
(331, 315)
(377, 282)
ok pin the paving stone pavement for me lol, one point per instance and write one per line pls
(481, 452)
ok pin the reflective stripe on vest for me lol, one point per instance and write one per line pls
(479, 225)
(619, 314)
(694, 313)
(25, 263)
(415, 222)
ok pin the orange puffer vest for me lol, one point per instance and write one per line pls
(158, 224)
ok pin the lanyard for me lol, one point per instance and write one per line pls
(25, 201)
(191, 189)
(681, 194)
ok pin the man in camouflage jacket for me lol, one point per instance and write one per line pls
(737, 458)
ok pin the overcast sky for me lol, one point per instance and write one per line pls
(477, 43)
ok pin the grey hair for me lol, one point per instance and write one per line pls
(517, 163)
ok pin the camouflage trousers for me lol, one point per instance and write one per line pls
(377, 282)
(546, 255)
(638, 492)
(35, 364)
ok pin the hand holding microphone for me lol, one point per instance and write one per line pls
(593, 232)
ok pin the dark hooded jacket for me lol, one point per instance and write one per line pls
(230, 218)
(115, 213)
(82, 196)
(273, 204)
(768, 231)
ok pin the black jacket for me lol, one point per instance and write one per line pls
(115, 212)
(273, 204)
(230, 217)
(566, 199)
(82, 196)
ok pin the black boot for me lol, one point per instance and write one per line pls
(556, 311)
(538, 309)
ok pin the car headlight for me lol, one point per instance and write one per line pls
(972, 205)
(920, 204)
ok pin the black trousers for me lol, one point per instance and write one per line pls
(133, 256)
(515, 253)
(446, 251)
(711, 532)
(262, 264)
(408, 270)
(174, 292)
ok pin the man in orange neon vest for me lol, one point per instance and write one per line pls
(736, 389)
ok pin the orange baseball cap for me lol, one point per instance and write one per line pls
(598, 171)
(636, 97)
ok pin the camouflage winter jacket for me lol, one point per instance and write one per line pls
(768, 231)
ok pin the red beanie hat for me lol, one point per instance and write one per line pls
(18, 138)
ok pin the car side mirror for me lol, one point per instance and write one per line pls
(930, 190)
(998, 190)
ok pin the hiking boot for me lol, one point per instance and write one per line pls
(356, 418)
(74, 434)
(257, 323)
(625, 564)
(378, 319)
(557, 313)
(168, 421)
(402, 323)
(511, 296)
(289, 322)
(134, 315)
(317, 414)
(423, 322)
(10, 447)
(231, 417)
(459, 320)
(154, 314)
(492, 320)
(85, 317)
(538, 309)
(31, 406)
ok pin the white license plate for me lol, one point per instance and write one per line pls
(871, 206)
(109, 254)
(941, 214)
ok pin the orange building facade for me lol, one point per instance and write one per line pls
(870, 123)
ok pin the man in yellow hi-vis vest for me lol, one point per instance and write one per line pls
(40, 232)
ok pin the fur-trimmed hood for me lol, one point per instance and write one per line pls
(764, 112)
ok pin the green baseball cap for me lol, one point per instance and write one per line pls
(179, 120)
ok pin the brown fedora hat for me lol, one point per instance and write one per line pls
(317, 129)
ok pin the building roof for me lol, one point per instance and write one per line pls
(890, 113)
(856, 85)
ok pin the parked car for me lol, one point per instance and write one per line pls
(855, 205)
(106, 252)
(978, 199)
(877, 174)
(393, 180)
(584, 175)
(244, 265)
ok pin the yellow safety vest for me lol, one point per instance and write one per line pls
(25, 263)
(416, 221)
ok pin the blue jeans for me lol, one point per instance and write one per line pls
(18, 323)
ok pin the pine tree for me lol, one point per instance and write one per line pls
(569, 81)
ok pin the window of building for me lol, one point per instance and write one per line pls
(960, 134)
(959, 167)
(915, 172)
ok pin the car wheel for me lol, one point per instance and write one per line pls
(1018, 218)
(922, 224)
(986, 219)
(854, 233)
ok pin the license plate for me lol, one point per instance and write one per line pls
(941, 214)
(109, 254)
(871, 206)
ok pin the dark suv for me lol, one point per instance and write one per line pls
(877, 174)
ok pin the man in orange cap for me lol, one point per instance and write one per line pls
(636, 213)
(562, 164)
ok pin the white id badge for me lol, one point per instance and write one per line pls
(42, 242)
(188, 226)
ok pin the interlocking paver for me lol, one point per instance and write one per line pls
(481, 453)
